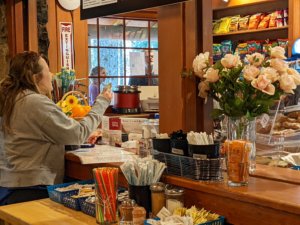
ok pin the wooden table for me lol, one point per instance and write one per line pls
(271, 198)
(42, 212)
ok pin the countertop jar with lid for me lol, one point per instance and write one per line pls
(157, 197)
(126, 209)
(174, 197)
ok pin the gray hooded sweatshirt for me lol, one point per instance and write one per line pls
(33, 152)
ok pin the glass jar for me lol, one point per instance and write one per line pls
(138, 215)
(126, 209)
(157, 197)
(174, 198)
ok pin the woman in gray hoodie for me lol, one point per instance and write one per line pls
(35, 130)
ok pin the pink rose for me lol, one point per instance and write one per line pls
(264, 84)
(294, 73)
(271, 74)
(200, 63)
(279, 65)
(287, 83)
(255, 59)
(250, 72)
(212, 75)
(278, 52)
(229, 61)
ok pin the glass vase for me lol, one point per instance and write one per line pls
(240, 149)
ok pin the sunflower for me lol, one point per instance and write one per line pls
(71, 101)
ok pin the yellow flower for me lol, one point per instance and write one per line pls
(71, 100)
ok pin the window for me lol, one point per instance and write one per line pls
(122, 52)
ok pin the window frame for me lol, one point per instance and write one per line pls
(148, 74)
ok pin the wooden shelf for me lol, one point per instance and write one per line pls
(237, 4)
(251, 31)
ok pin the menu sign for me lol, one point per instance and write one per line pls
(97, 8)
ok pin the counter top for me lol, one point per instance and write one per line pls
(43, 212)
(272, 196)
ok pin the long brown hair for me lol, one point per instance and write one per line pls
(20, 77)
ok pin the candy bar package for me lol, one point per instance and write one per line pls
(242, 50)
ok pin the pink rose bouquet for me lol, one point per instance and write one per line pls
(246, 88)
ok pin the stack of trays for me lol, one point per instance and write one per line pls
(196, 169)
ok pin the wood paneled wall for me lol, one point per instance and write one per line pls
(56, 15)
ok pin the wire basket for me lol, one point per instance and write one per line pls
(80, 97)
(188, 167)
(219, 221)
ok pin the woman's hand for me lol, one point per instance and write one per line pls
(94, 136)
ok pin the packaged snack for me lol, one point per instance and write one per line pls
(216, 26)
(244, 23)
(217, 53)
(279, 14)
(234, 23)
(285, 13)
(242, 50)
(254, 21)
(279, 22)
(226, 47)
(264, 23)
(254, 46)
(224, 26)
(273, 18)
(285, 21)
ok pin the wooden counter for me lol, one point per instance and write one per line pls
(42, 212)
(271, 198)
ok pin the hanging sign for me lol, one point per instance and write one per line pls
(94, 3)
(97, 8)
(66, 45)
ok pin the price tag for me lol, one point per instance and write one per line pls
(264, 120)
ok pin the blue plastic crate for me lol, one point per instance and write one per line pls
(58, 196)
(88, 208)
(73, 203)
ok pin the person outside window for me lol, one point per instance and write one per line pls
(94, 87)
(34, 130)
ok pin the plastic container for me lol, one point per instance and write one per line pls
(179, 147)
(162, 144)
(204, 151)
(174, 197)
(157, 197)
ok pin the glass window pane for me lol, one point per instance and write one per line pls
(153, 62)
(92, 32)
(136, 34)
(93, 58)
(135, 62)
(113, 61)
(153, 34)
(111, 32)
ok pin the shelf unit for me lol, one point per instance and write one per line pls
(252, 31)
(264, 6)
